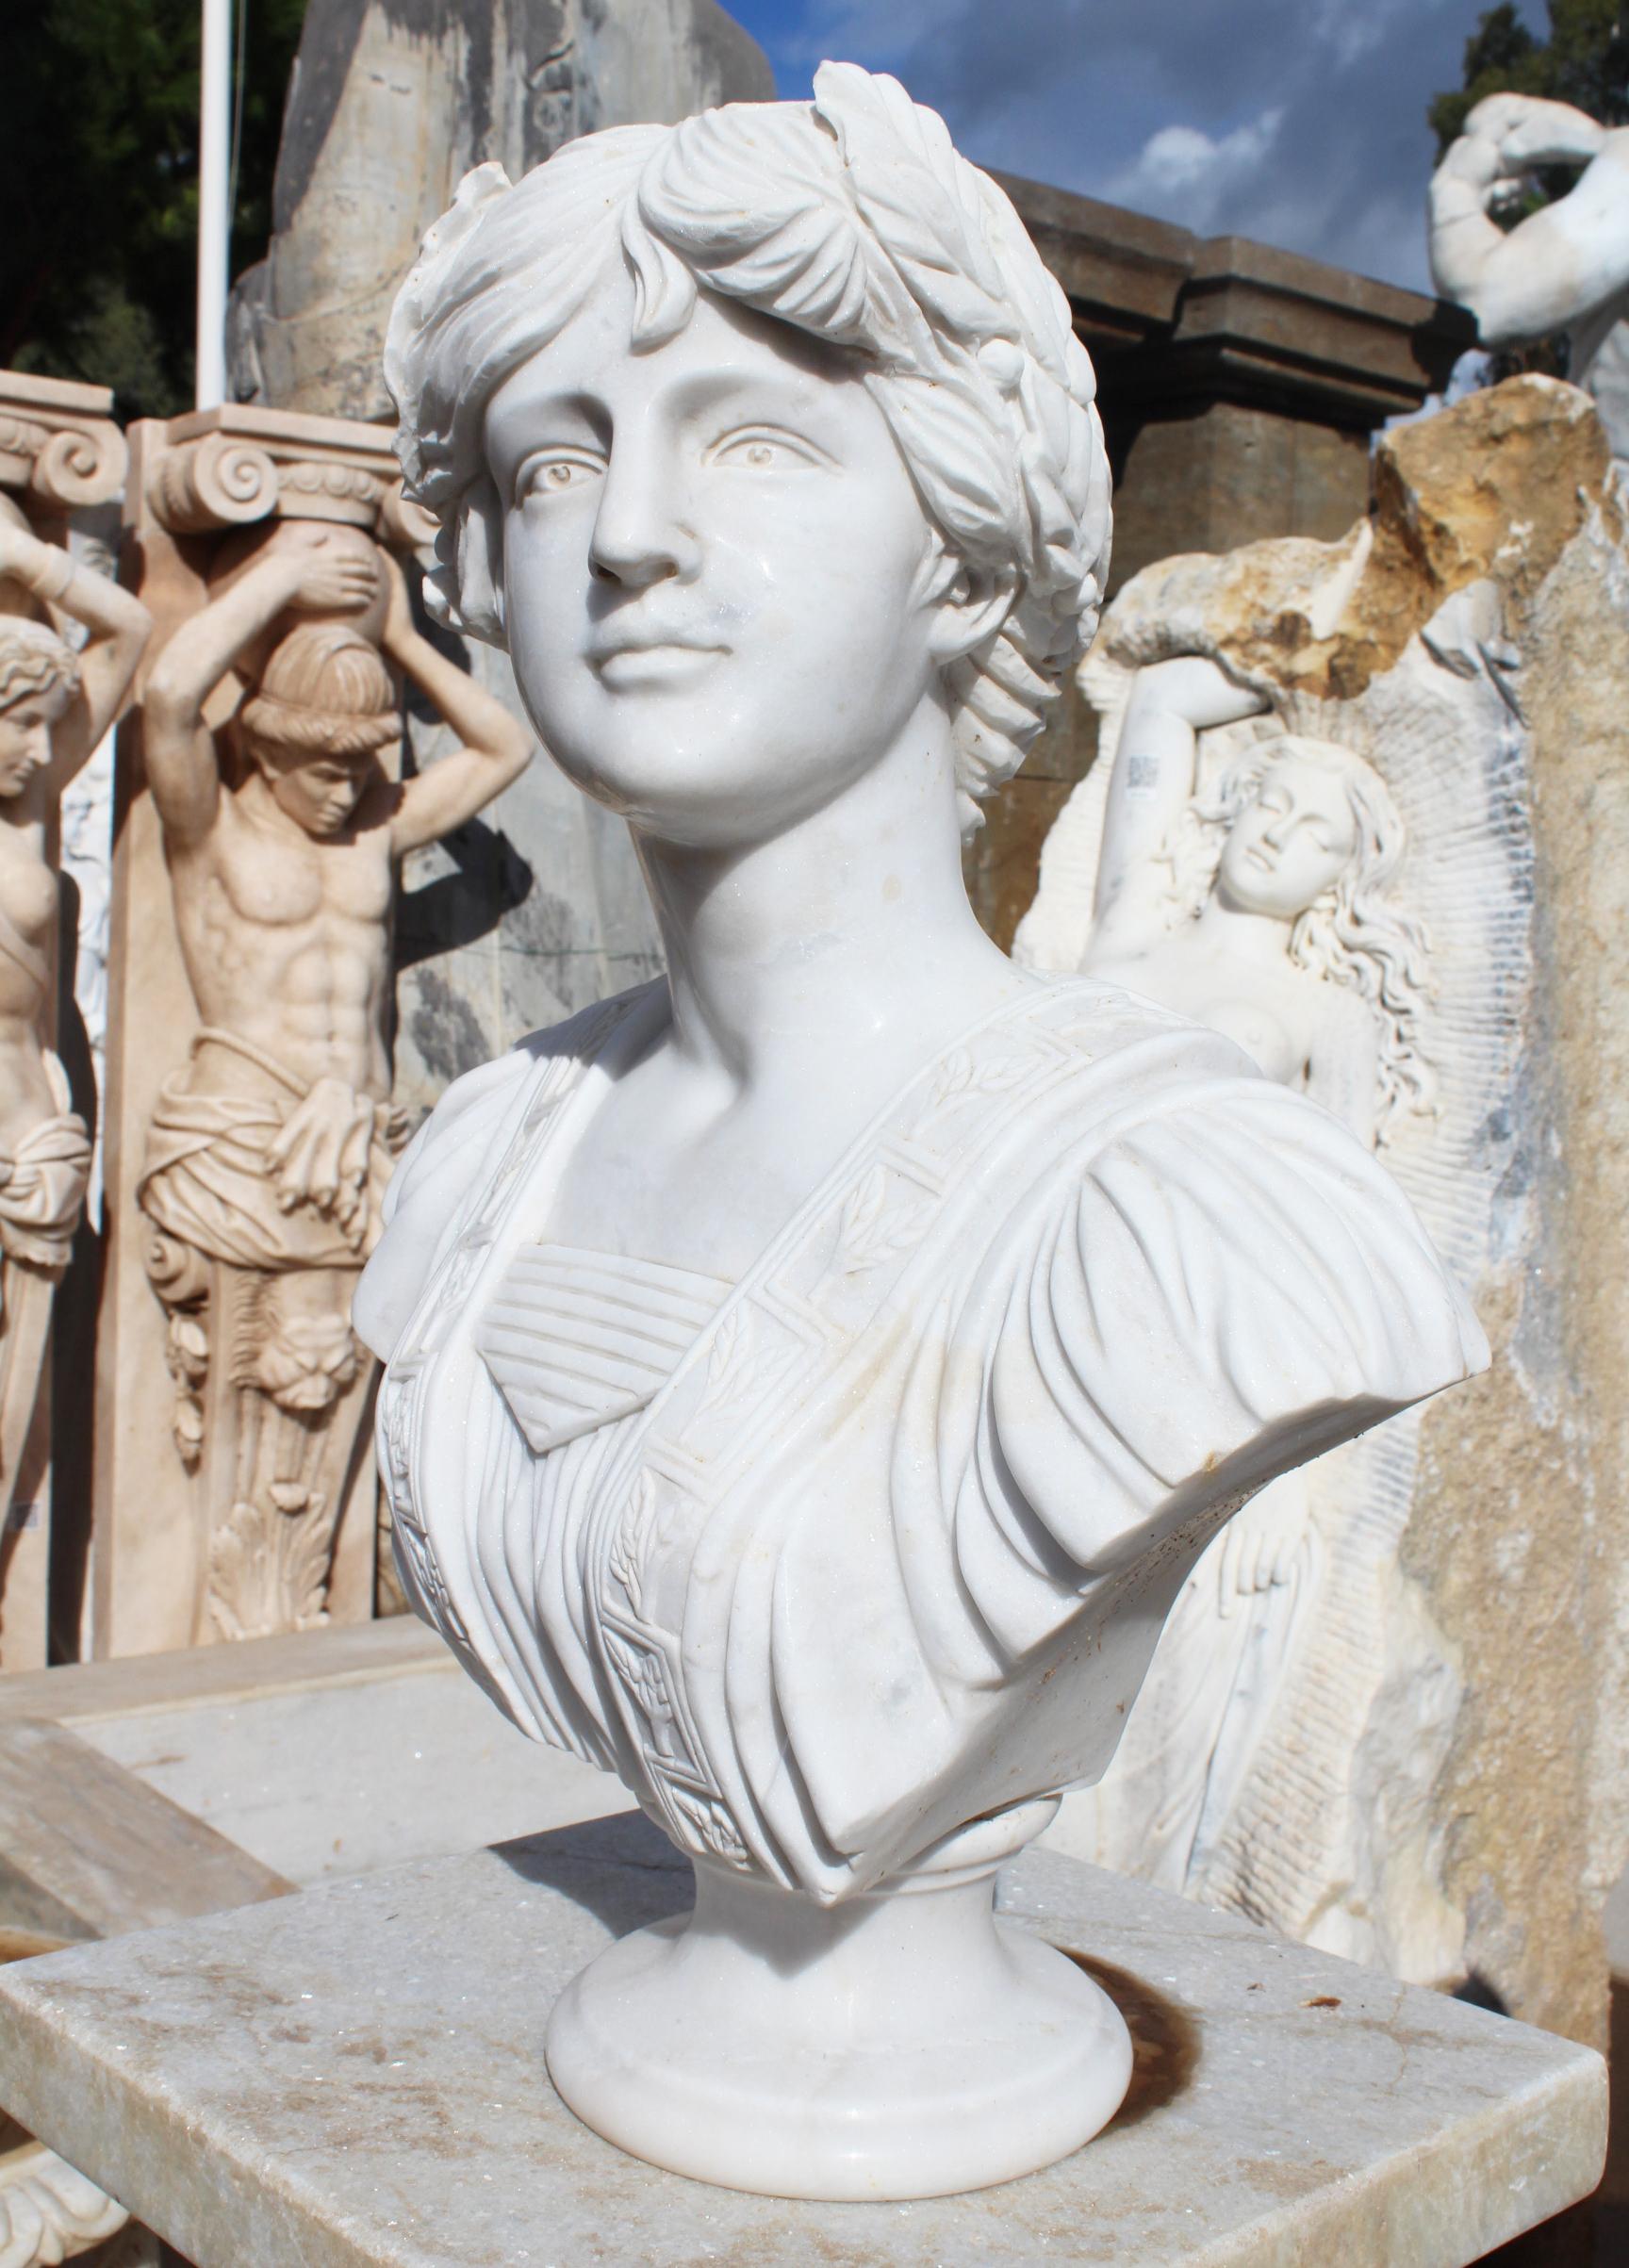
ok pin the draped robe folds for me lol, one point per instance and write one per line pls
(205, 1180)
(891, 1545)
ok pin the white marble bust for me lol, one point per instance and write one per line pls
(811, 1377)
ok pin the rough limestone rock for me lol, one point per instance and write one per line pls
(1438, 1781)
(526, 915)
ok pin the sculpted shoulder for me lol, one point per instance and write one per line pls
(450, 1161)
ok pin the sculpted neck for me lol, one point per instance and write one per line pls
(846, 933)
(1225, 928)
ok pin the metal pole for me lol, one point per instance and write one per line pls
(214, 199)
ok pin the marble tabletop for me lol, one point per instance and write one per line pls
(354, 2075)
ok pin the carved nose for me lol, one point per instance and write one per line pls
(631, 567)
(638, 537)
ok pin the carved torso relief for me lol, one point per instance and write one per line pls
(56, 704)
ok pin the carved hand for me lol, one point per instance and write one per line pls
(1195, 689)
(1262, 1546)
(328, 580)
(320, 1156)
(1527, 130)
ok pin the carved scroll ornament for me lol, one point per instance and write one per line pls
(60, 456)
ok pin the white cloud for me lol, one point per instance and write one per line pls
(1185, 174)
(1301, 123)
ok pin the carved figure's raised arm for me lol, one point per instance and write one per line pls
(496, 749)
(1171, 704)
(180, 752)
(1560, 264)
(118, 625)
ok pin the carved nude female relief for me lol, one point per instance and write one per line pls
(797, 1399)
(1258, 902)
(267, 1153)
(1256, 899)
(56, 704)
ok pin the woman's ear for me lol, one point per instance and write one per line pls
(971, 606)
(464, 590)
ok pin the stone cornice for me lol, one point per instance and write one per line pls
(1171, 317)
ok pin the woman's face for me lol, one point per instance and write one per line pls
(713, 569)
(26, 740)
(1290, 844)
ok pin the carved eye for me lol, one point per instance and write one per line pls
(765, 453)
(558, 473)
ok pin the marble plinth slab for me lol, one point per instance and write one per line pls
(355, 2076)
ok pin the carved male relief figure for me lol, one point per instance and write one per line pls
(811, 1377)
(268, 1151)
(55, 706)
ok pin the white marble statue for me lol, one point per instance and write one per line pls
(811, 1377)
(1563, 268)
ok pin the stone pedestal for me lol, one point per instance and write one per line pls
(203, 489)
(355, 2076)
(59, 453)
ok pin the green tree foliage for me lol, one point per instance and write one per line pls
(1585, 61)
(99, 185)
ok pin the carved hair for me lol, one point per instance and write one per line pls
(1353, 934)
(853, 218)
(34, 660)
(324, 691)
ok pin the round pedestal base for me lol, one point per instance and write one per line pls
(904, 2044)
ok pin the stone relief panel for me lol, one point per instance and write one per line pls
(256, 888)
(70, 643)
(1312, 825)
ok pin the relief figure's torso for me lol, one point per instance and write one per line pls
(1273, 1012)
(28, 902)
(287, 943)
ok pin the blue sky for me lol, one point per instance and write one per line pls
(1299, 122)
